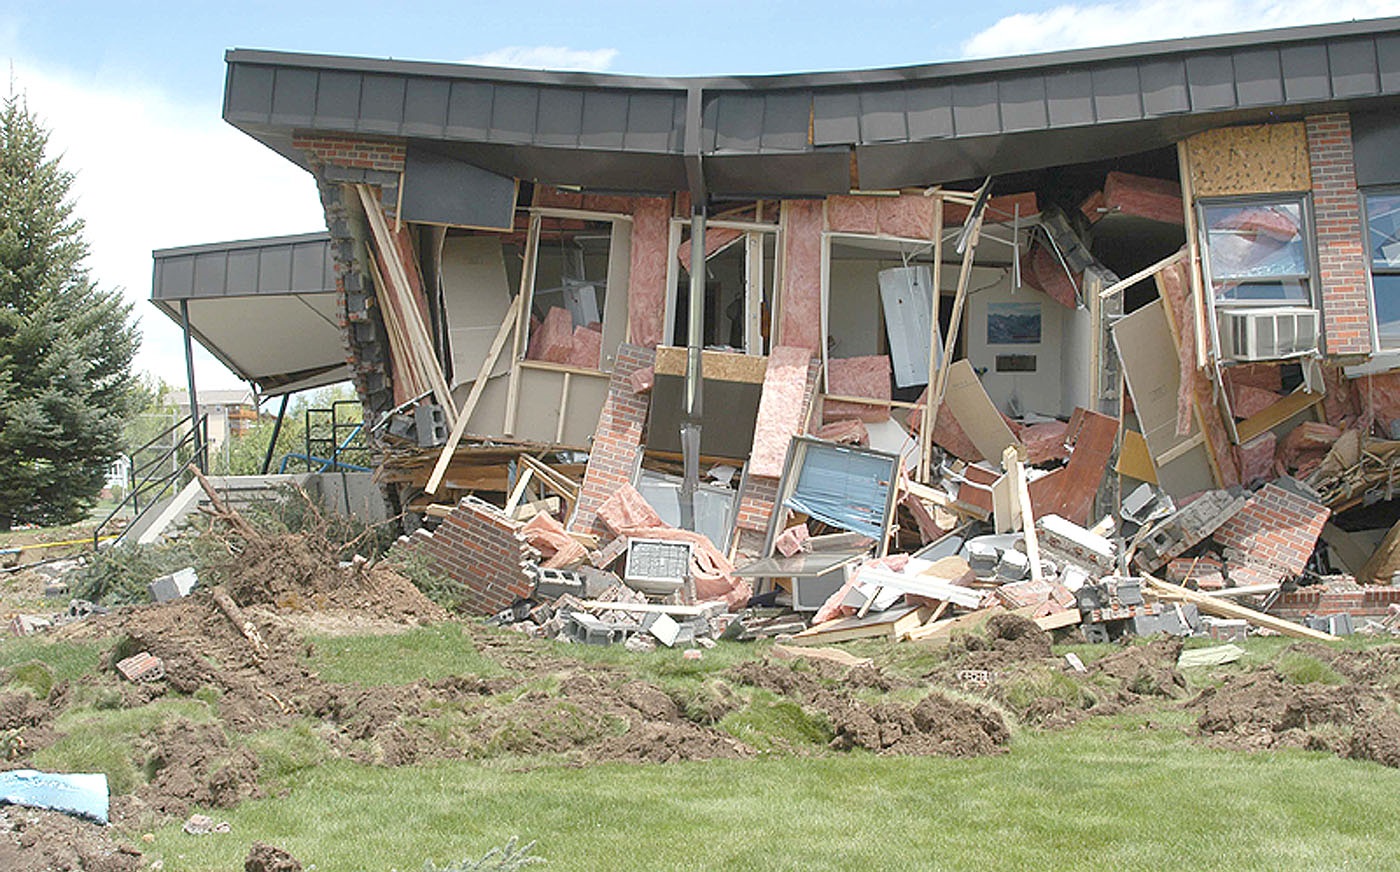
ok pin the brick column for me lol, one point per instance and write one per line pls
(617, 443)
(1341, 250)
(484, 551)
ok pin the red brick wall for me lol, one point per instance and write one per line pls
(349, 150)
(1335, 598)
(477, 546)
(1275, 528)
(756, 508)
(617, 442)
(1341, 251)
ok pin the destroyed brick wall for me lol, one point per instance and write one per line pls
(1276, 528)
(1341, 254)
(484, 551)
(1337, 596)
(617, 443)
(352, 151)
(761, 491)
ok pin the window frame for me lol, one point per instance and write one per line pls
(1366, 193)
(1309, 276)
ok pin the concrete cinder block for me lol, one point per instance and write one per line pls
(173, 586)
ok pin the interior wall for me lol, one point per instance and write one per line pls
(1039, 391)
(1076, 373)
(853, 307)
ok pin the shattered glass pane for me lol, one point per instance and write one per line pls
(1387, 293)
(1258, 252)
(1383, 217)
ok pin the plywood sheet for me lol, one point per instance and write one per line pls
(722, 365)
(967, 400)
(1153, 373)
(1134, 460)
(1254, 159)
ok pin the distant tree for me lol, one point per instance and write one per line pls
(66, 347)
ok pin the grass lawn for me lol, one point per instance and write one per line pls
(1104, 796)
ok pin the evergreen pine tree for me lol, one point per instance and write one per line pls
(66, 347)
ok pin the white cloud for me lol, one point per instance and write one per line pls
(1094, 24)
(155, 173)
(547, 57)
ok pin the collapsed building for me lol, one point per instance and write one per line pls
(596, 318)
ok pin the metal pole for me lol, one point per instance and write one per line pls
(276, 431)
(200, 459)
(695, 339)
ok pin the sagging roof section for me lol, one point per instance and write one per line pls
(266, 308)
(909, 125)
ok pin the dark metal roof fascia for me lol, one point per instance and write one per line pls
(948, 69)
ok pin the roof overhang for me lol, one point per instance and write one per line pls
(266, 308)
(793, 134)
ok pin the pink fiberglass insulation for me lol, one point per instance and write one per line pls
(909, 216)
(790, 541)
(1379, 396)
(1041, 269)
(1196, 387)
(554, 339)
(1246, 401)
(781, 409)
(627, 509)
(586, 349)
(715, 239)
(1045, 441)
(947, 432)
(801, 302)
(857, 377)
(853, 214)
(1257, 458)
(548, 536)
(642, 380)
(646, 282)
(845, 432)
(627, 513)
(1340, 405)
(1259, 375)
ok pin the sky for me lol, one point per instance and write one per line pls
(132, 91)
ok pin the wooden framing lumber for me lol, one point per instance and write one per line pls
(893, 624)
(1224, 608)
(459, 429)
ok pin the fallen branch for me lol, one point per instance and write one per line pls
(240, 621)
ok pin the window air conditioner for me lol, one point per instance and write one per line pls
(1267, 334)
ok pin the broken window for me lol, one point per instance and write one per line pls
(1257, 251)
(1383, 241)
(739, 259)
(576, 313)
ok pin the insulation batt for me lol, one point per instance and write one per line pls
(646, 280)
(801, 319)
(781, 408)
(858, 377)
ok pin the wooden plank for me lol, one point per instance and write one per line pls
(1224, 608)
(1299, 401)
(1058, 620)
(1193, 248)
(828, 655)
(887, 624)
(1141, 274)
(400, 291)
(940, 632)
(926, 427)
(1023, 496)
(721, 365)
(526, 296)
(464, 417)
(654, 608)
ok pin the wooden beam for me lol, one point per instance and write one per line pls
(1226, 609)
(459, 429)
(1146, 272)
(926, 428)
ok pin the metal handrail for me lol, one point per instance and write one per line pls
(196, 435)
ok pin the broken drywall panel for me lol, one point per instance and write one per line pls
(476, 295)
(891, 438)
(1153, 373)
(857, 377)
(906, 294)
(1253, 159)
(800, 305)
(646, 279)
(968, 402)
(782, 409)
